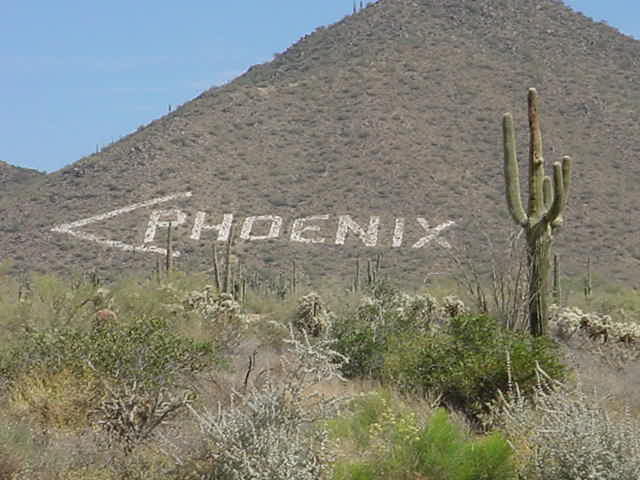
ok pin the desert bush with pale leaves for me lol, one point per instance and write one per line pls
(274, 432)
(564, 434)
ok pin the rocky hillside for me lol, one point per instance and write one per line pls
(15, 177)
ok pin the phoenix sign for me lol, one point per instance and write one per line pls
(314, 229)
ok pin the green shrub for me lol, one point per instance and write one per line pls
(49, 305)
(354, 472)
(469, 361)
(365, 410)
(390, 441)
(121, 378)
(418, 344)
(43, 302)
(147, 351)
(444, 452)
(364, 333)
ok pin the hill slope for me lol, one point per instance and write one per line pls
(394, 113)
(14, 177)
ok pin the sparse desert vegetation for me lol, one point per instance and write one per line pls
(183, 382)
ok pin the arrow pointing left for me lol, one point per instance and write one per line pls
(71, 228)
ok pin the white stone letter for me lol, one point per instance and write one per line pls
(346, 224)
(299, 228)
(154, 222)
(432, 234)
(398, 233)
(223, 228)
(274, 229)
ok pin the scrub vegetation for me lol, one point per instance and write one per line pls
(180, 381)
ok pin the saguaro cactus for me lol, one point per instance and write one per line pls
(557, 288)
(216, 268)
(169, 254)
(544, 211)
(587, 281)
(227, 287)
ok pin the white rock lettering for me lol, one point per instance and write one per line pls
(300, 226)
(223, 228)
(274, 228)
(368, 237)
(310, 230)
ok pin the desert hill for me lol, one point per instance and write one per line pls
(392, 113)
(13, 177)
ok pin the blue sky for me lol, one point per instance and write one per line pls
(77, 74)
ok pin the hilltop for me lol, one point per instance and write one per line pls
(12, 176)
(394, 112)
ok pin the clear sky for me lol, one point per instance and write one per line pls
(75, 74)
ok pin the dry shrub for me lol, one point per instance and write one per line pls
(563, 433)
(86, 473)
(130, 414)
(498, 285)
(148, 464)
(9, 466)
(272, 432)
(59, 400)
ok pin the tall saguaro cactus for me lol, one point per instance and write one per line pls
(544, 211)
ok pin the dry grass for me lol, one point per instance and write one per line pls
(58, 401)
(607, 369)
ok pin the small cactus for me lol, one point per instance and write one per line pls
(311, 315)
(211, 306)
(453, 307)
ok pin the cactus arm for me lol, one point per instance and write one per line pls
(536, 160)
(566, 174)
(511, 173)
(559, 198)
(566, 183)
(547, 193)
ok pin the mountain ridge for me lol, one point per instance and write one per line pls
(12, 176)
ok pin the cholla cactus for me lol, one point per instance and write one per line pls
(211, 306)
(566, 322)
(311, 315)
(103, 298)
(221, 312)
(453, 307)
(418, 311)
(197, 298)
(424, 309)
